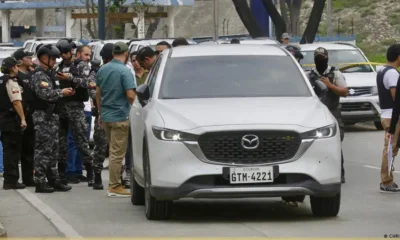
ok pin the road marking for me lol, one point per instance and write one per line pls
(373, 167)
(59, 223)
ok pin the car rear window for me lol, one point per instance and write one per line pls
(232, 76)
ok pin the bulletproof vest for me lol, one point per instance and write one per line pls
(331, 100)
(28, 96)
(385, 97)
(5, 103)
(81, 94)
(40, 104)
(8, 117)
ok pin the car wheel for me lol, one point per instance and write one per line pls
(378, 125)
(299, 198)
(154, 209)
(137, 192)
(325, 206)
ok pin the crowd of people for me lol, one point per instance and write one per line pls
(46, 110)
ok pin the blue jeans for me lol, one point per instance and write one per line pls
(1, 157)
(74, 160)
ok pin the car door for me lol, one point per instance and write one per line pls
(138, 116)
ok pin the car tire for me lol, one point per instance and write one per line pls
(325, 206)
(137, 193)
(378, 125)
(299, 198)
(154, 209)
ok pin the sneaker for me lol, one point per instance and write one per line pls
(118, 191)
(390, 189)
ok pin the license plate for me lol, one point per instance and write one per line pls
(251, 175)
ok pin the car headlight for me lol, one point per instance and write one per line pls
(324, 132)
(173, 135)
(374, 91)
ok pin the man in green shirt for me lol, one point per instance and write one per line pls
(115, 92)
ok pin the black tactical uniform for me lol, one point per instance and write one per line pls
(10, 124)
(72, 111)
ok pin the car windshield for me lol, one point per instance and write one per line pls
(232, 76)
(341, 58)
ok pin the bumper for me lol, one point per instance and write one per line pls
(178, 172)
(360, 109)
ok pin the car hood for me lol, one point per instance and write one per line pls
(188, 114)
(360, 79)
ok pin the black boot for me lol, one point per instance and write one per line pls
(98, 184)
(60, 187)
(43, 188)
(62, 168)
(72, 179)
(17, 185)
(90, 178)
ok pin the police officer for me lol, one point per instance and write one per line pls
(12, 122)
(336, 84)
(99, 136)
(25, 72)
(46, 120)
(295, 51)
(73, 74)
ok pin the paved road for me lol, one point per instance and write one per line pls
(83, 212)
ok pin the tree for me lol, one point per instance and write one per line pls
(243, 9)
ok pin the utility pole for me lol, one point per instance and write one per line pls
(329, 18)
(216, 19)
(102, 19)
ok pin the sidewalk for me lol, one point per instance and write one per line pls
(20, 219)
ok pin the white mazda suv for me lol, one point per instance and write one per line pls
(232, 121)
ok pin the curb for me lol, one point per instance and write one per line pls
(3, 232)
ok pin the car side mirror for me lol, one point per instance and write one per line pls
(320, 88)
(379, 67)
(143, 94)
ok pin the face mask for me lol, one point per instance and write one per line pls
(321, 64)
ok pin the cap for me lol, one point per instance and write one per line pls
(120, 47)
(321, 52)
(285, 36)
(8, 63)
(21, 53)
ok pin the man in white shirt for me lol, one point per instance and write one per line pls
(387, 79)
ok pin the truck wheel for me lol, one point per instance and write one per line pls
(325, 206)
(378, 125)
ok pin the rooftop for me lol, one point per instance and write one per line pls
(327, 46)
(227, 50)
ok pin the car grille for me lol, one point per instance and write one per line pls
(359, 91)
(350, 107)
(227, 148)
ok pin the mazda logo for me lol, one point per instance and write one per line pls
(250, 141)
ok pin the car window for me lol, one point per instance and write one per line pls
(233, 76)
(341, 58)
(28, 46)
(151, 80)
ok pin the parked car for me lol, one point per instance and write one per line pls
(362, 102)
(6, 51)
(243, 122)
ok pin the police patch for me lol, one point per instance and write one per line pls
(86, 72)
(44, 84)
(92, 85)
(15, 90)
